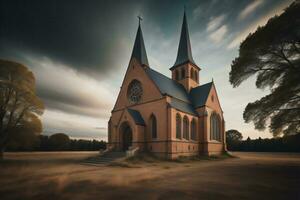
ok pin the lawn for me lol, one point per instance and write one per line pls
(61, 175)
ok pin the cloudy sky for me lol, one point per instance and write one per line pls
(79, 51)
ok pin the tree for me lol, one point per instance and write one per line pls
(20, 108)
(59, 141)
(25, 137)
(233, 139)
(233, 136)
(272, 54)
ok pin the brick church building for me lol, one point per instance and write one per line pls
(168, 117)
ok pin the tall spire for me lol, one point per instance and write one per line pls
(139, 50)
(184, 53)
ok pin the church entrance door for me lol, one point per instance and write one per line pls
(127, 137)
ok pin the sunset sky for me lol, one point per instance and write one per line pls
(79, 51)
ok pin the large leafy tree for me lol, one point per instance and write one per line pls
(272, 54)
(20, 108)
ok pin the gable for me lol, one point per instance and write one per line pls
(205, 95)
(136, 72)
(213, 100)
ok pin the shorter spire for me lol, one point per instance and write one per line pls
(184, 53)
(139, 50)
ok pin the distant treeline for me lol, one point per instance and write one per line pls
(282, 144)
(56, 142)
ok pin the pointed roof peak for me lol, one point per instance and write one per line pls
(184, 53)
(139, 50)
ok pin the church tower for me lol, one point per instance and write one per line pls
(185, 71)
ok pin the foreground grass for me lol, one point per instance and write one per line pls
(49, 176)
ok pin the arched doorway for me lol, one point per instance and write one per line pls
(126, 135)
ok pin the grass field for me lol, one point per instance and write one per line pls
(60, 175)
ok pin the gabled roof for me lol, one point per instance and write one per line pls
(184, 53)
(180, 100)
(139, 50)
(167, 85)
(137, 117)
(200, 94)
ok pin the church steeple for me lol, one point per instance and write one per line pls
(185, 71)
(139, 50)
(184, 53)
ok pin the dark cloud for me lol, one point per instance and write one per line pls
(57, 105)
(89, 35)
(85, 35)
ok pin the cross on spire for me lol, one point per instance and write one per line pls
(139, 50)
(140, 19)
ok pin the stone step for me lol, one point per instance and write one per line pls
(105, 159)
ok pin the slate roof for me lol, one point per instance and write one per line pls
(182, 106)
(139, 50)
(167, 85)
(184, 53)
(199, 94)
(137, 117)
(181, 100)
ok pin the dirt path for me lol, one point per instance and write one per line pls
(61, 176)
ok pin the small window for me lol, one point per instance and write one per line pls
(178, 126)
(193, 129)
(196, 75)
(153, 126)
(176, 75)
(192, 74)
(212, 98)
(185, 128)
(182, 73)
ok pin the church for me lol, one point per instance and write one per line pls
(168, 117)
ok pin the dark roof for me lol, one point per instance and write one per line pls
(167, 85)
(181, 99)
(182, 106)
(199, 94)
(184, 53)
(139, 50)
(137, 117)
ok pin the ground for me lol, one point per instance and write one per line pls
(60, 175)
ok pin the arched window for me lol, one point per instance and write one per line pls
(178, 126)
(215, 133)
(153, 126)
(193, 129)
(176, 75)
(109, 131)
(185, 128)
(192, 74)
(196, 75)
(182, 73)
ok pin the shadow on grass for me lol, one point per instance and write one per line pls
(150, 158)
